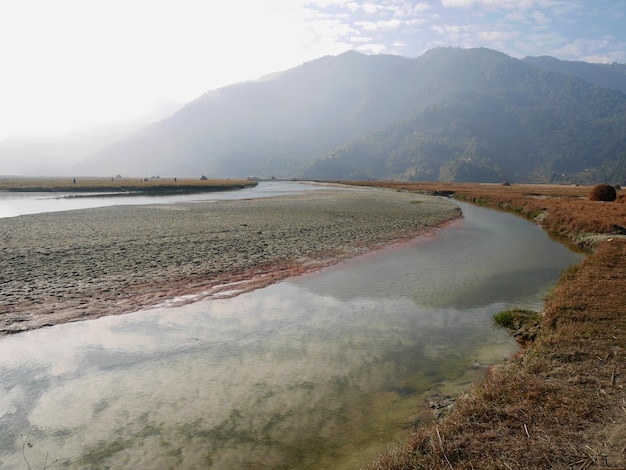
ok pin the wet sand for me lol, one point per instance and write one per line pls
(75, 265)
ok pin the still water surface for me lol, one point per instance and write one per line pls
(13, 204)
(322, 371)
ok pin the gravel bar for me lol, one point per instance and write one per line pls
(67, 266)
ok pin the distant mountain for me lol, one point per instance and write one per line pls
(273, 126)
(451, 114)
(44, 155)
(58, 155)
(603, 75)
(501, 119)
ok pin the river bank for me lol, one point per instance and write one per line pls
(126, 186)
(561, 403)
(75, 265)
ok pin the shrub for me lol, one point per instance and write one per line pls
(603, 192)
(504, 319)
(514, 318)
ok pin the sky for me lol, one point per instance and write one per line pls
(67, 65)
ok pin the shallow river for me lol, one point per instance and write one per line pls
(13, 204)
(322, 371)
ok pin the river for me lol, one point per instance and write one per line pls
(13, 204)
(321, 371)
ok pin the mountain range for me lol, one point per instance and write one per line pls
(450, 115)
(58, 154)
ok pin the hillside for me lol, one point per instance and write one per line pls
(451, 114)
(57, 154)
(602, 75)
(269, 127)
(501, 119)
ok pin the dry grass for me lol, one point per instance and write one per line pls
(68, 184)
(562, 403)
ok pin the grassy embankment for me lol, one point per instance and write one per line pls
(561, 403)
(125, 186)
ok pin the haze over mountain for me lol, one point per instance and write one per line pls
(450, 114)
(56, 155)
(602, 75)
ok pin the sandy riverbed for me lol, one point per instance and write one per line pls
(67, 266)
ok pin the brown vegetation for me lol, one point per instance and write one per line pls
(563, 211)
(603, 192)
(561, 403)
(118, 184)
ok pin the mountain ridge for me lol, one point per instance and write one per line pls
(452, 114)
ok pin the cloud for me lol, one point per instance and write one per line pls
(511, 4)
(600, 50)
(493, 37)
(372, 48)
(379, 25)
(372, 8)
(458, 3)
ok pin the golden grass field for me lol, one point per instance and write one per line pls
(93, 184)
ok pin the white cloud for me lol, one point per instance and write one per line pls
(359, 40)
(540, 19)
(421, 7)
(537, 44)
(373, 48)
(517, 16)
(372, 8)
(493, 37)
(600, 50)
(379, 25)
(72, 63)
(508, 4)
(447, 29)
(458, 3)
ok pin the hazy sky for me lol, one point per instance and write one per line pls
(68, 64)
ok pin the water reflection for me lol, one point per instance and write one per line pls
(317, 372)
(13, 204)
(492, 257)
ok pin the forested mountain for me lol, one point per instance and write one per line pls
(451, 114)
(602, 75)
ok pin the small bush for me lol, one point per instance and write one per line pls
(603, 192)
(504, 319)
(514, 318)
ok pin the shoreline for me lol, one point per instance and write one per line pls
(79, 265)
(559, 403)
(87, 186)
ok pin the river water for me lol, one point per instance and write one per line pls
(322, 371)
(13, 204)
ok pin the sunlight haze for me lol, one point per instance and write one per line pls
(76, 64)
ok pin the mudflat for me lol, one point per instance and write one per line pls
(67, 266)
